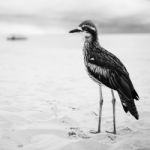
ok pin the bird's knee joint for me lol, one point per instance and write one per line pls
(113, 100)
(101, 102)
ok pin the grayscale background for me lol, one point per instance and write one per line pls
(47, 101)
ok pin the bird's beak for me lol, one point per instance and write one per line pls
(76, 30)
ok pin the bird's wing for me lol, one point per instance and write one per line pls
(107, 60)
(109, 70)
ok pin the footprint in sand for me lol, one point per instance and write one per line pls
(77, 132)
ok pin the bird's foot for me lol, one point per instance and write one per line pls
(94, 132)
(112, 132)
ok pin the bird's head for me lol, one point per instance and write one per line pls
(88, 28)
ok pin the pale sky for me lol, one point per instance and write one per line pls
(59, 9)
(110, 7)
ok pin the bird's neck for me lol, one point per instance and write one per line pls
(90, 43)
(91, 37)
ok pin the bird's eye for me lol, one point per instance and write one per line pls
(85, 28)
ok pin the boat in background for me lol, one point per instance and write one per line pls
(16, 37)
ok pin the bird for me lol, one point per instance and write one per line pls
(106, 69)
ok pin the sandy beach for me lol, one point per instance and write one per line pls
(47, 101)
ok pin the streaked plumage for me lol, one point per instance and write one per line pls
(107, 69)
(104, 67)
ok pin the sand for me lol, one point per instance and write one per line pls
(47, 101)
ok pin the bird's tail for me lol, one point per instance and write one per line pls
(135, 95)
(129, 105)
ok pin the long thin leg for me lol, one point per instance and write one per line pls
(114, 111)
(100, 108)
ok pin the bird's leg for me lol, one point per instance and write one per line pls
(100, 108)
(100, 111)
(114, 112)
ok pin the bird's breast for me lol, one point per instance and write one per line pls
(96, 72)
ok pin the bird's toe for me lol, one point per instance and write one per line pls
(94, 132)
(112, 132)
